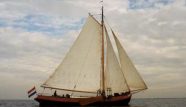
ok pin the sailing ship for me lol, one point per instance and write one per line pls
(92, 72)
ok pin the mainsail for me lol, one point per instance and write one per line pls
(80, 69)
(133, 78)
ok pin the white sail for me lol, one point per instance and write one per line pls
(80, 69)
(115, 78)
(133, 78)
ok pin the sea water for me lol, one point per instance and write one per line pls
(147, 102)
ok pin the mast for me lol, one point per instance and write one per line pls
(102, 57)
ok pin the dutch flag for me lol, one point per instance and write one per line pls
(32, 92)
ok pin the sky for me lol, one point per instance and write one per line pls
(35, 35)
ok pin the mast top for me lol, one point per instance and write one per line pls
(102, 13)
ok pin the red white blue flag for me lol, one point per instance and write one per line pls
(32, 92)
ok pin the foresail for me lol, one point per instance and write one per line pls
(133, 78)
(115, 78)
(80, 69)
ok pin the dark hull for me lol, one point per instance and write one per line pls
(51, 101)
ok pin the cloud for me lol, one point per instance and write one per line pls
(141, 4)
(30, 56)
(42, 23)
